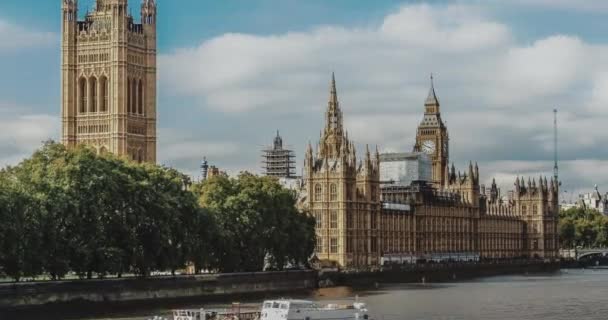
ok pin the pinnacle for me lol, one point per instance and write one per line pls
(333, 92)
(432, 97)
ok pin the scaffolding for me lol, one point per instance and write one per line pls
(279, 162)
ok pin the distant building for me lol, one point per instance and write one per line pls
(278, 162)
(204, 169)
(404, 168)
(592, 200)
(210, 171)
(215, 171)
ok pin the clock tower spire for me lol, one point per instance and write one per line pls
(432, 137)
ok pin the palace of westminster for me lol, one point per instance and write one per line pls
(109, 102)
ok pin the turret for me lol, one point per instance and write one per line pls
(308, 160)
(70, 18)
(148, 12)
(494, 192)
(377, 159)
(471, 173)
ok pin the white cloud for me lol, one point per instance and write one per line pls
(14, 37)
(497, 94)
(20, 135)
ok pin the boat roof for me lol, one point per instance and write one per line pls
(290, 301)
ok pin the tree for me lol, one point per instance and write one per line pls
(258, 223)
(74, 210)
(583, 227)
(567, 233)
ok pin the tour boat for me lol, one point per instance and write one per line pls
(286, 309)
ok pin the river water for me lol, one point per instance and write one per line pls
(566, 295)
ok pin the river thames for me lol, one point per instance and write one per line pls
(566, 295)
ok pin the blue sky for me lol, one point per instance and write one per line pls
(231, 72)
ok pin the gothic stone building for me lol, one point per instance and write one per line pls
(343, 194)
(361, 219)
(108, 79)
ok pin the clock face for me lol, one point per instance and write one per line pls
(428, 146)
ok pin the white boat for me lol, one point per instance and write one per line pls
(286, 309)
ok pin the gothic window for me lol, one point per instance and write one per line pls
(350, 220)
(129, 107)
(134, 96)
(318, 192)
(82, 88)
(333, 220)
(333, 245)
(140, 156)
(103, 86)
(93, 94)
(319, 244)
(374, 221)
(374, 195)
(333, 192)
(140, 98)
(319, 220)
(535, 210)
(524, 210)
(374, 244)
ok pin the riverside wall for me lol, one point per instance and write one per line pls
(108, 291)
(432, 273)
(226, 287)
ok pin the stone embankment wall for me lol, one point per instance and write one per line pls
(23, 295)
(432, 273)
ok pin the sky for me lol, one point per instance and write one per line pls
(232, 72)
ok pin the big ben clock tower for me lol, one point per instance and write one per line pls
(432, 138)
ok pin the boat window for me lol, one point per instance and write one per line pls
(284, 306)
(267, 305)
(275, 305)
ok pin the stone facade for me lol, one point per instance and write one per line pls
(108, 79)
(343, 194)
(360, 220)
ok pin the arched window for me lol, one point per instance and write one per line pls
(129, 95)
(93, 94)
(318, 192)
(140, 98)
(134, 96)
(103, 87)
(319, 220)
(333, 192)
(333, 219)
(140, 156)
(82, 93)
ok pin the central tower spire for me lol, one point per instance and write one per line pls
(333, 121)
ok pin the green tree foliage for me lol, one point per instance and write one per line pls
(98, 215)
(258, 224)
(73, 210)
(583, 227)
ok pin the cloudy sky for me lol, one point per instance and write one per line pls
(232, 72)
